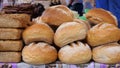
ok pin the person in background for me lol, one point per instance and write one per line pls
(76, 5)
(111, 5)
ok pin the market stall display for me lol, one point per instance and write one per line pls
(72, 42)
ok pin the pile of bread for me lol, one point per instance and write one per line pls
(57, 34)
(11, 44)
(79, 42)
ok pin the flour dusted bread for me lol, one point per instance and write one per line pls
(10, 57)
(11, 45)
(39, 53)
(107, 53)
(98, 15)
(69, 32)
(38, 32)
(103, 33)
(14, 20)
(56, 15)
(75, 53)
(9, 33)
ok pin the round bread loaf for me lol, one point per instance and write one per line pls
(38, 32)
(40, 53)
(107, 53)
(69, 32)
(76, 53)
(98, 15)
(103, 33)
(56, 15)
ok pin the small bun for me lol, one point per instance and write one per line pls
(56, 15)
(40, 53)
(38, 32)
(98, 15)
(103, 33)
(75, 53)
(108, 53)
(69, 32)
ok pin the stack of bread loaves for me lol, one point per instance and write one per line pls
(39, 41)
(39, 38)
(11, 27)
(104, 36)
(69, 37)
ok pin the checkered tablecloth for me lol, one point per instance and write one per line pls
(58, 65)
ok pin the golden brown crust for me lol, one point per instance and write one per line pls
(76, 53)
(98, 15)
(38, 32)
(9, 33)
(11, 45)
(40, 53)
(69, 32)
(10, 57)
(108, 53)
(14, 20)
(103, 33)
(87, 24)
(57, 15)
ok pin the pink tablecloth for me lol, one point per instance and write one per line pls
(58, 65)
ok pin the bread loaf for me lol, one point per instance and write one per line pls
(14, 20)
(6, 57)
(75, 53)
(98, 15)
(11, 45)
(56, 15)
(38, 32)
(69, 32)
(40, 53)
(9, 33)
(107, 53)
(103, 33)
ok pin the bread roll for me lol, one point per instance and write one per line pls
(108, 53)
(56, 15)
(98, 15)
(69, 32)
(6, 57)
(9, 33)
(76, 53)
(11, 45)
(40, 53)
(14, 20)
(103, 33)
(38, 32)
